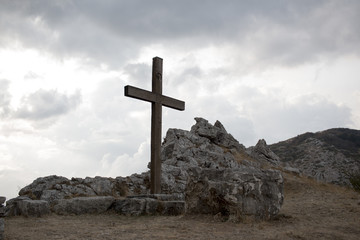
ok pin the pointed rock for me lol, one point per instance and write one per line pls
(262, 152)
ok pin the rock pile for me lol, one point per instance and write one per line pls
(2, 214)
(205, 170)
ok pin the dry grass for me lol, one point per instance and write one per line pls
(311, 211)
(241, 156)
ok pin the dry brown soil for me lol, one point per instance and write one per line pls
(311, 210)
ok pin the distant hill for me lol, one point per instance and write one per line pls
(329, 155)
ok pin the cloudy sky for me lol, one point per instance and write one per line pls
(265, 69)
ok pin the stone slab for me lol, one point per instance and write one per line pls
(83, 205)
(12, 205)
(34, 208)
(160, 197)
(149, 205)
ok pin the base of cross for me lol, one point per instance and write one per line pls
(152, 204)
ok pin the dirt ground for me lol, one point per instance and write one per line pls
(311, 210)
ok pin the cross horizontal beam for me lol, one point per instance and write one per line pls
(148, 96)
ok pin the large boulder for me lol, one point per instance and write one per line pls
(210, 170)
(234, 192)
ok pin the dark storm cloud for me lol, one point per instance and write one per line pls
(44, 104)
(328, 29)
(278, 32)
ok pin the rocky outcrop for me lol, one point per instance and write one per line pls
(53, 188)
(324, 165)
(205, 166)
(205, 170)
(76, 195)
(330, 156)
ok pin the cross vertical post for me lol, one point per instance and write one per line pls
(157, 101)
(156, 123)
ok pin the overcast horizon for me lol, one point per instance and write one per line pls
(265, 69)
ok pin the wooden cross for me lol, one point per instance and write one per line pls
(157, 101)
